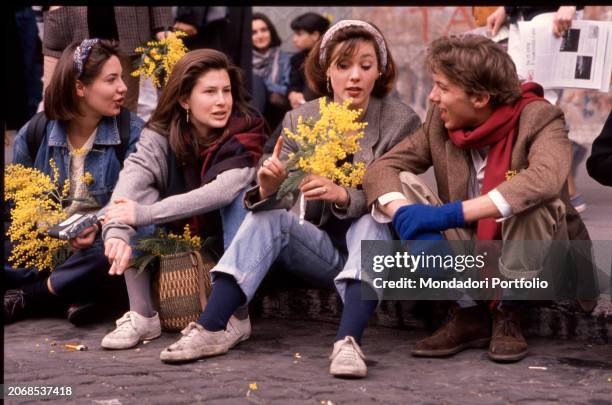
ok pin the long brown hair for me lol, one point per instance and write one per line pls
(61, 101)
(169, 118)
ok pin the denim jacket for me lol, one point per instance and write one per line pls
(101, 161)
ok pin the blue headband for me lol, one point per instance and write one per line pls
(81, 54)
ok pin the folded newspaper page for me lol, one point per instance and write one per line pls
(580, 58)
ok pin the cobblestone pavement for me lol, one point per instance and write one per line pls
(287, 360)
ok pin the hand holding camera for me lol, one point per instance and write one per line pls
(79, 229)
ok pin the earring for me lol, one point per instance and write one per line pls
(329, 88)
(187, 116)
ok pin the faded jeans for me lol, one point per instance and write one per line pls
(266, 237)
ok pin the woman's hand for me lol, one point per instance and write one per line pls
(85, 239)
(321, 188)
(119, 254)
(272, 172)
(122, 210)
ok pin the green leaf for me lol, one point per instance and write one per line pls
(290, 184)
(291, 163)
(143, 261)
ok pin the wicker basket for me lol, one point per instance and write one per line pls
(181, 286)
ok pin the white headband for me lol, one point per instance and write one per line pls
(354, 23)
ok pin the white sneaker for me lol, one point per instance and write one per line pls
(347, 359)
(131, 329)
(198, 342)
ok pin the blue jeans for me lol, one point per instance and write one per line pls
(269, 236)
(75, 279)
(231, 218)
(81, 274)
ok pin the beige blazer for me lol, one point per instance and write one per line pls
(541, 155)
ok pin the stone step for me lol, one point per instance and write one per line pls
(562, 320)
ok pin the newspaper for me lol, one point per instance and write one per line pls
(580, 58)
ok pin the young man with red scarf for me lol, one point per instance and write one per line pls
(482, 124)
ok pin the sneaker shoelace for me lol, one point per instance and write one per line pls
(124, 323)
(188, 333)
(348, 353)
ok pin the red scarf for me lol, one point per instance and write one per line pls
(499, 132)
(241, 145)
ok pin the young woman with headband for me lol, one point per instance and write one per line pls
(82, 136)
(351, 61)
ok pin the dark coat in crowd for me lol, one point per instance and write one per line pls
(599, 164)
(17, 112)
(135, 26)
(228, 31)
(297, 78)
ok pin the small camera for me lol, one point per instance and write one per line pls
(70, 228)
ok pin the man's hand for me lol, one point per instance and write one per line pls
(296, 99)
(122, 210)
(321, 188)
(412, 220)
(562, 20)
(85, 239)
(272, 172)
(119, 254)
(496, 20)
(188, 29)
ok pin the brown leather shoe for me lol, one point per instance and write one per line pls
(467, 328)
(507, 342)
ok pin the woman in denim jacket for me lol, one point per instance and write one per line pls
(195, 158)
(83, 103)
(351, 61)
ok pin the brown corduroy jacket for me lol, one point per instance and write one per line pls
(135, 26)
(541, 155)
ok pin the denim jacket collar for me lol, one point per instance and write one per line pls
(107, 133)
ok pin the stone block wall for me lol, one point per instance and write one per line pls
(408, 31)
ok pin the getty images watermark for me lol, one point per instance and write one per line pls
(480, 270)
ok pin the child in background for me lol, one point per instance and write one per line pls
(307, 30)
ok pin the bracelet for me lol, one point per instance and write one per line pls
(348, 202)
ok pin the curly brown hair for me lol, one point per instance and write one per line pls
(477, 64)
